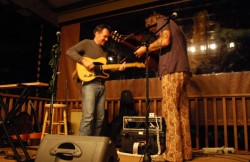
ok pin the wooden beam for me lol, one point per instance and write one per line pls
(100, 9)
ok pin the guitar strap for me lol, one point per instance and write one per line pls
(168, 20)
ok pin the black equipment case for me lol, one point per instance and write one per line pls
(133, 135)
(134, 142)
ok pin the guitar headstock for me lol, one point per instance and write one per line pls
(116, 36)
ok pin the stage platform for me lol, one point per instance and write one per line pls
(198, 157)
(238, 156)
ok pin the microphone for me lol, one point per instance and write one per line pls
(58, 34)
(174, 15)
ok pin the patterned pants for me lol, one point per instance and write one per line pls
(176, 114)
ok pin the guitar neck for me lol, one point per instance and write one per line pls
(129, 45)
(127, 65)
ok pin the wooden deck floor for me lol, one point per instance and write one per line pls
(198, 157)
(236, 157)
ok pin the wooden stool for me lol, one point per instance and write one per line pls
(59, 117)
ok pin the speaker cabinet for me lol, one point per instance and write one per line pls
(61, 148)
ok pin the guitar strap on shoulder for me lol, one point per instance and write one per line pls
(167, 21)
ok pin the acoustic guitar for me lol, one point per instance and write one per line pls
(99, 70)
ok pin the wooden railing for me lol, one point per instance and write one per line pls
(216, 120)
(220, 120)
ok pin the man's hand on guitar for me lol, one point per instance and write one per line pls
(122, 66)
(140, 51)
(88, 64)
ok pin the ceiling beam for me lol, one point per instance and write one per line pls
(39, 9)
(99, 9)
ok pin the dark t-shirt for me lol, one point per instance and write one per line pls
(174, 57)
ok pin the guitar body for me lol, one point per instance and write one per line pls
(85, 75)
(100, 65)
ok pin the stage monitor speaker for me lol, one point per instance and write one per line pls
(61, 148)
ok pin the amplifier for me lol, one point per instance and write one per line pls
(137, 123)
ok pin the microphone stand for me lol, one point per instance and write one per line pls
(56, 51)
(146, 157)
